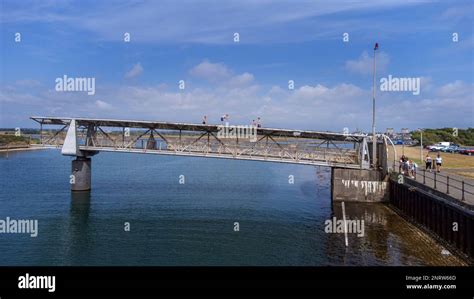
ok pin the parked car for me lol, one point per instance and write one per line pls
(437, 148)
(451, 149)
(440, 146)
(467, 151)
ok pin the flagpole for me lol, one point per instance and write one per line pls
(374, 137)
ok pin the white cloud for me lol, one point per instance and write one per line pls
(102, 105)
(365, 63)
(220, 74)
(210, 71)
(455, 89)
(314, 107)
(240, 80)
(308, 107)
(135, 71)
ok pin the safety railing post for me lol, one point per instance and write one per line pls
(447, 184)
(462, 190)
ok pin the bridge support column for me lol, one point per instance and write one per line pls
(358, 185)
(81, 171)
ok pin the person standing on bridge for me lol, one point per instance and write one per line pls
(225, 118)
(438, 161)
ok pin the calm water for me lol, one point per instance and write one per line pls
(193, 223)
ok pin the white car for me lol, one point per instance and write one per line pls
(437, 148)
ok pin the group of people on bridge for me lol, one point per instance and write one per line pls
(225, 119)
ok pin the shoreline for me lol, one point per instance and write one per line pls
(20, 149)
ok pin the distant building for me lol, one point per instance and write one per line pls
(402, 137)
(390, 133)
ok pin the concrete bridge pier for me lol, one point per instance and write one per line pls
(361, 185)
(81, 174)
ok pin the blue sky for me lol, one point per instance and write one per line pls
(279, 41)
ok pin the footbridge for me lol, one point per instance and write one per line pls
(86, 137)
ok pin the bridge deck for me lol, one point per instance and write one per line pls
(203, 140)
(141, 124)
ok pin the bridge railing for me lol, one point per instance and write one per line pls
(453, 185)
(448, 184)
(288, 152)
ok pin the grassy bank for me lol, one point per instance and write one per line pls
(459, 164)
(12, 141)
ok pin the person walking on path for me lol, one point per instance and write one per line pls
(428, 162)
(410, 168)
(414, 166)
(439, 162)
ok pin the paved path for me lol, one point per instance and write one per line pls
(455, 184)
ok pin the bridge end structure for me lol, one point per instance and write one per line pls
(363, 185)
(81, 174)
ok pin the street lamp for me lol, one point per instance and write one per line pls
(374, 137)
(404, 132)
(421, 145)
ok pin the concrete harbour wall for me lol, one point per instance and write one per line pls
(358, 185)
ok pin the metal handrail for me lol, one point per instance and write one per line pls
(447, 180)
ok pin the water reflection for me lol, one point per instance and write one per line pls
(388, 239)
(80, 207)
(80, 238)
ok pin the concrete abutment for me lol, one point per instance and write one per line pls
(359, 185)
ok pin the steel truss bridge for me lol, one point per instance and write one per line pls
(87, 136)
